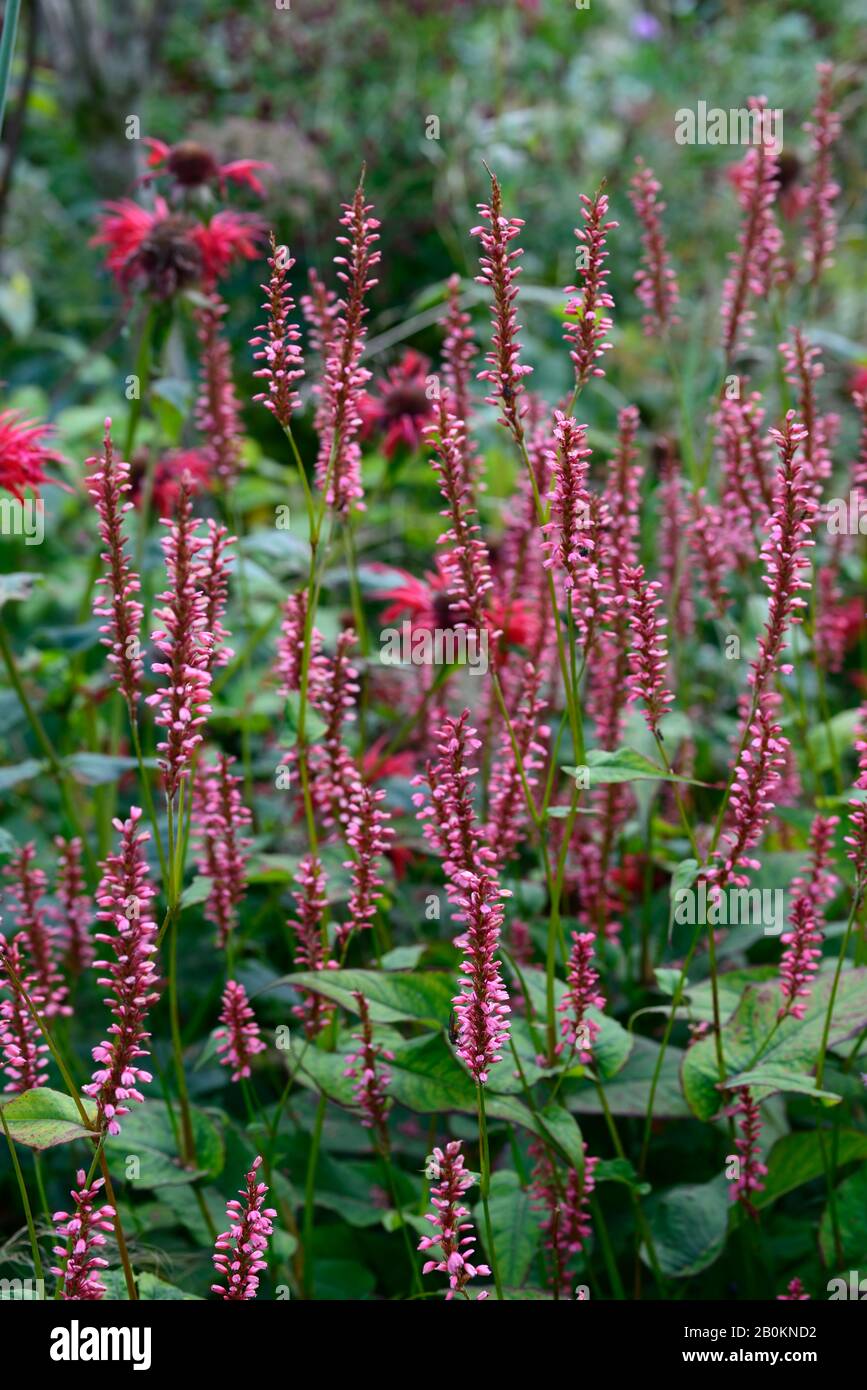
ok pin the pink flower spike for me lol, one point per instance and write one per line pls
(238, 1040)
(183, 702)
(822, 192)
(76, 907)
(592, 299)
(83, 1232)
(482, 1006)
(795, 1293)
(582, 979)
(454, 1248)
(755, 264)
(565, 1208)
(239, 1254)
(219, 819)
(311, 951)
(648, 656)
(25, 1054)
(568, 543)
(218, 410)
(107, 484)
(278, 349)
(656, 282)
(36, 935)
(372, 1079)
(752, 1169)
(499, 272)
(123, 897)
(338, 468)
(369, 834)
(465, 565)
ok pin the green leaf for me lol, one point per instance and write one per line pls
(619, 1170)
(99, 769)
(147, 1135)
(150, 1288)
(20, 772)
(837, 733)
(402, 957)
(628, 1093)
(16, 588)
(314, 726)
(425, 997)
(42, 1118)
(515, 1227)
(613, 1044)
(197, 892)
(851, 1201)
(684, 876)
(342, 1280)
(562, 1129)
(624, 765)
(797, 1159)
(793, 1048)
(688, 1225)
(766, 1080)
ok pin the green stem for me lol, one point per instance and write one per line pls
(25, 1200)
(485, 1165)
(310, 1195)
(7, 49)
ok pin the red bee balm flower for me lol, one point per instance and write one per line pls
(401, 406)
(163, 251)
(23, 453)
(190, 165)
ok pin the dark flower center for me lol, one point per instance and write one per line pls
(191, 164)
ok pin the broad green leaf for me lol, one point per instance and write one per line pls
(619, 1170)
(613, 1044)
(837, 734)
(562, 1129)
(624, 765)
(628, 1092)
(42, 1118)
(99, 769)
(851, 1201)
(688, 1225)
(797, 1159)
(515, 1227)
(197, 892)
(684, 876)
(766, 1080)
(147, 1134)
(340, 1280)
(425, 997)
(150, 1288)
(793, 1046)
(20, 772)
(16, 588)
(314, 726)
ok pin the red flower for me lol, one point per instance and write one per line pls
(164, 251)
(427, 604)
(168, 475)
(191, 165)
(23, 453)
(402, 406)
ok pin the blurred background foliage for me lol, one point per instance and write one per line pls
(555, 98)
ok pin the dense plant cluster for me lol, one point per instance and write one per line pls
(449, 826)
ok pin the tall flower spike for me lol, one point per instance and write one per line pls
(334, 689)
(239, 1254)
(752, 1169)
(37, 936)
(648, 656)
(83, 1230)
(338, 468)
(800, 961)
(186, 644)
(592, 301)
(454, 1248)
(459, 352)
(24, 1052)
(757, 773)
(278, 349)
(219, 820)
(508, 811)
(466, 566)
(123, 897)
(369, 835)
(568, 541)
(795, 1293)
(755, 262)
(565, 1207)
(107, 484)
(823, 129)
(76, 908)
(372, 1079)
(482, 1006)
(789, 537)
(582, 981)
(310, 952)
(857, 841)
(238, 1039)
(214, 573)
(218, 411)
(655, 281)
(803, 368)
(504, 371)
(449, 819)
